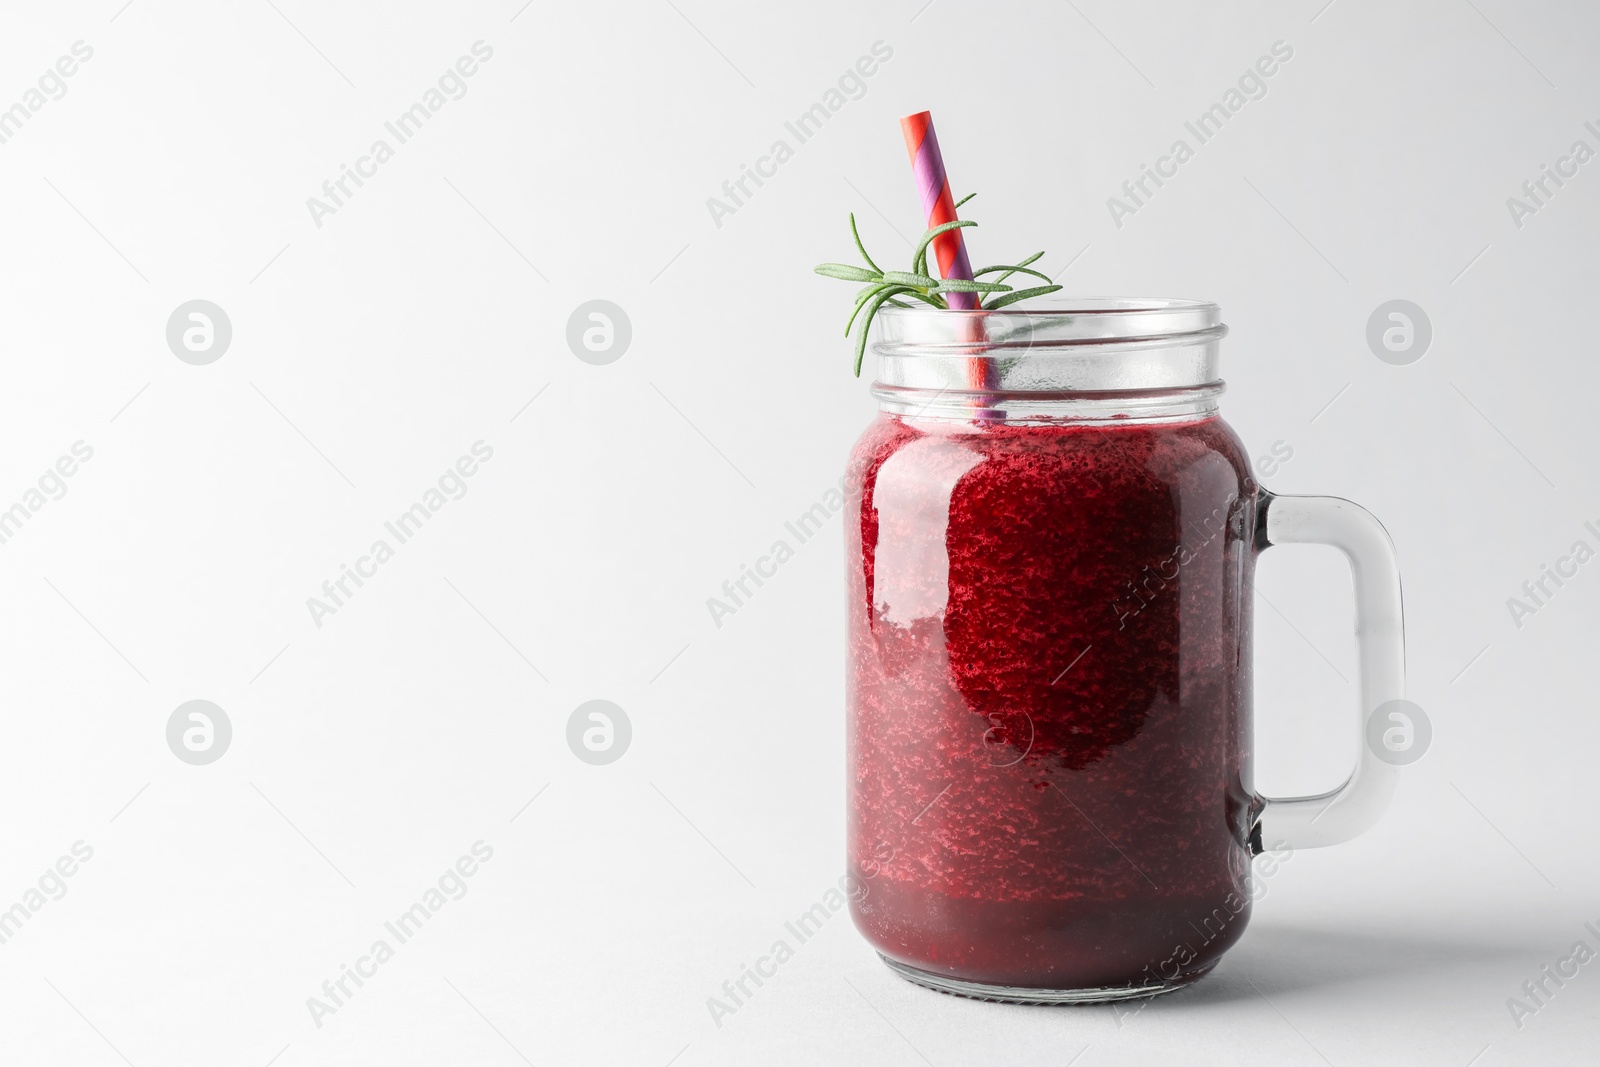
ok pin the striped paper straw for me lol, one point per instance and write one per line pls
(950, 249)
(933, 185)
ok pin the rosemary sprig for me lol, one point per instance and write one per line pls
(894, 287)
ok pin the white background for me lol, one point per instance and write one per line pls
(369, 353)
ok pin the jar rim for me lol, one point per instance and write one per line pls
(1052, 355)
(1086, 305)
(1050, 323)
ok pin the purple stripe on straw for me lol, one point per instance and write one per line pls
(933, 187)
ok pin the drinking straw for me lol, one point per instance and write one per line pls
(949, 248)
(933, 185)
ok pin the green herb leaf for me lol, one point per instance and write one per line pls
(961, 285)
(1020, 294)
(868, 294)
(845, 272)
(919, 258)
(920, 281)
(1009, 271)
(964, 199)
(931, 300)
(863, 248)
(1014, 268)
(866, 327)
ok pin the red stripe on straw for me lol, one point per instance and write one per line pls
(933, 185)
(949, 249)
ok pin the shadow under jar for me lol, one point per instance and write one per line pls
(1050, 543)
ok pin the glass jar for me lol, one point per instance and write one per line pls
(1051, 537)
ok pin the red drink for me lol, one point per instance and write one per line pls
(1049, 699)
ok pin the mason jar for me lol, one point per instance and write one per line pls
(1051, 537)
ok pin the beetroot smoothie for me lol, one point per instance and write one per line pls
(1049, 698)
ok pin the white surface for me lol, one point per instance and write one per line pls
(406, 328)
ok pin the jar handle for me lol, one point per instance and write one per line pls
(1343, 813)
